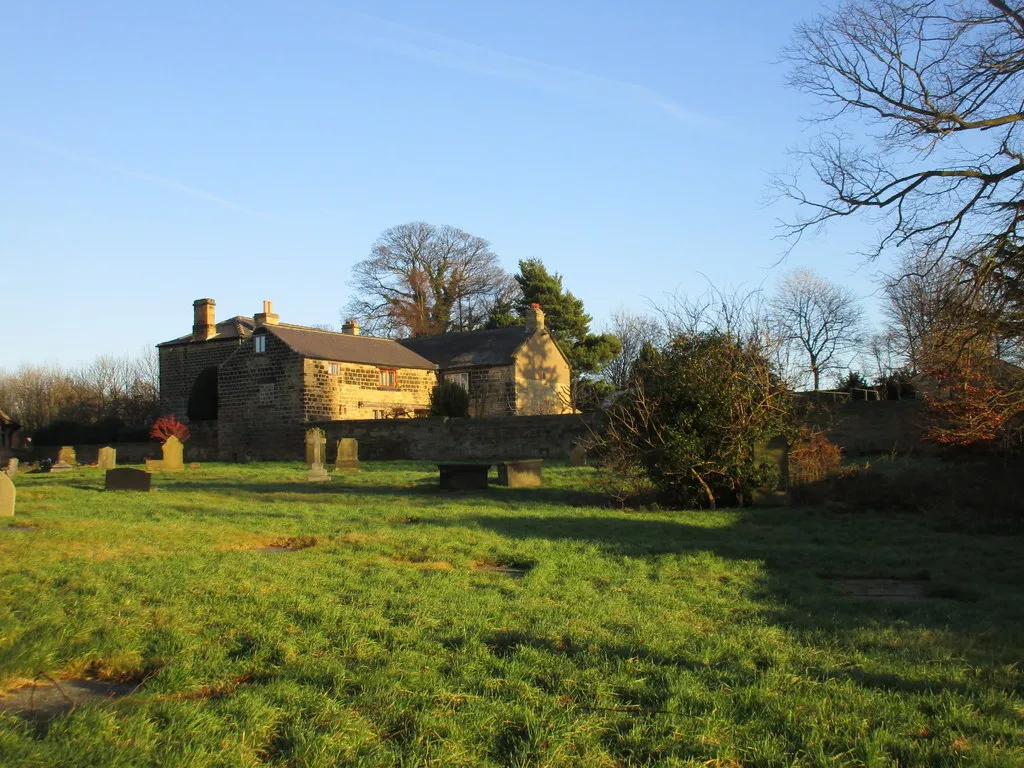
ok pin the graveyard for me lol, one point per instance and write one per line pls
(240, 614)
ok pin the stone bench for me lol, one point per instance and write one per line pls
(523, 473)
(464, 476)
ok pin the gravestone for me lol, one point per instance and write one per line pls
(61, 466)
(107, 458)
(173, 455)
(348, 455)
(154, 465)
(776, 453)
(127, 479)
(316, 446)
(12, 468)
(6, 496)
(66, 455)
(577, 456)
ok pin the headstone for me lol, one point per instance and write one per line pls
(578, 456)
(348, 455)
(107, 458)
(61, 466)
(776, 453)
(173, 455)
(316, 446)
(6, 496)
(154, 465)
(66, 455)
(12, 468)
(127, 479)
(317, 473)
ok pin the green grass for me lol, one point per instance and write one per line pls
(635, 638)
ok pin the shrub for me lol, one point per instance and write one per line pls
(166, 426)
(812, 458)
(693, 414)
(449, 400)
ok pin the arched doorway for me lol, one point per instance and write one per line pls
(202, 401)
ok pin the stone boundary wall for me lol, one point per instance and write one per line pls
(127, 453)
(467, 439)
(864, 427)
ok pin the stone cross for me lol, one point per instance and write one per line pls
(6, 496)
(107, 458)
(173, 452)
(348, 455)
(66, 455)
(316, 446)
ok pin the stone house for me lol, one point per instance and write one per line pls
(258, 381)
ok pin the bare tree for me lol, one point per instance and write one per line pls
(818, 319)
(940, 82)
(634, 331)
(420, 279)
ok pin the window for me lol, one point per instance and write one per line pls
(261, 344)
(333, 368)
(462, 379)
(389, 378)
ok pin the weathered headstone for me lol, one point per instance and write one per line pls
(154, 465)
(6, 496)
(61, 466)
(107, 458)
(173, 455)
(316, 446)
(66, 455)
(578, 456)
(127, 479)
(348, 455)
(776, 453)
(12, 467)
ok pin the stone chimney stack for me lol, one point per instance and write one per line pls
(535, 317)
(267, 316)
(351, 327)
(204, 324)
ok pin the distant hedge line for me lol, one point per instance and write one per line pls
(104, 431)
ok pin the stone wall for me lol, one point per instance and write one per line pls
(874, 426)
(355, 391)
(511, 437)
(492, 391)
(261, 402)
(181, 364)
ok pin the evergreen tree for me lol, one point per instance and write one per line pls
(564, 316)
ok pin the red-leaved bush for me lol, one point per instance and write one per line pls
(166, 426)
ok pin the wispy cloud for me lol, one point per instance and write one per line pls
(147, 178)
(373, 32)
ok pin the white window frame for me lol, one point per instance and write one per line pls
(387, 374)
(260, 344)
(334, 368)
(462, 379)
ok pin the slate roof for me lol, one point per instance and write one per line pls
(232, 328)
(346, 348)
(458, 350)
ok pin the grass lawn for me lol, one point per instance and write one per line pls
(612, 638)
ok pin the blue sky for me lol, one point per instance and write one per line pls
(155, 153)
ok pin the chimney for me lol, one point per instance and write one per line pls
(535, 317)
(267, 316)
(204, 324)
(351, 327)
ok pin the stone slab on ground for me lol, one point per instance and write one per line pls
(898, 590)
(317, 474)
(463, 476)
(524, 473)
(61, 466)
(127, 479)
(43, 701)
